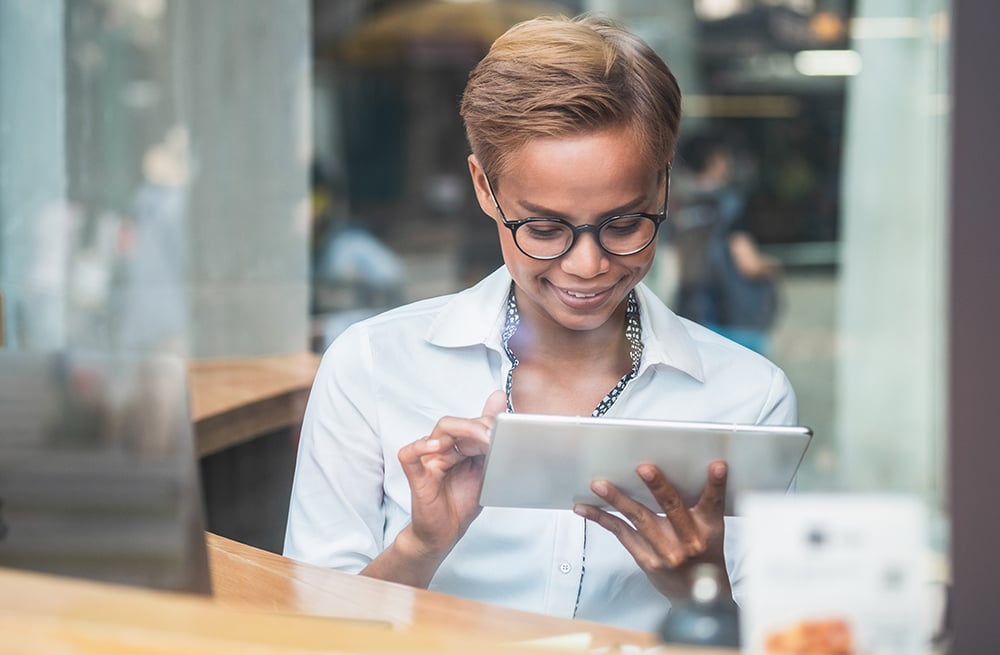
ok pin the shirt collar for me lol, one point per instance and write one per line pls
(666, 340)
(475, 316)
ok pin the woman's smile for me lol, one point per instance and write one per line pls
(582, 299)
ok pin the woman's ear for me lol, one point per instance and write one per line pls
(482, 188)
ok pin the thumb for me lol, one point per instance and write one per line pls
(495, 404)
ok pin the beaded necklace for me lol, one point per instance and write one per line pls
(633, 333)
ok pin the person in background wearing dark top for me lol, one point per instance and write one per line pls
(726, 283)
(346, 255)
(572, 126)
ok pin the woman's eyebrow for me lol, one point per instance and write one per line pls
(629, 206)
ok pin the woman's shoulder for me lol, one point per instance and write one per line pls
(725, 359)
(457, 318)
(405, 319)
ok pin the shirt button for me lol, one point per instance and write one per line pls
(565, 567)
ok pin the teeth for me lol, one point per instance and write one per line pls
(581, 295)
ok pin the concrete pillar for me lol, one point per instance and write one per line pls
(33, 214)
(246, 100)
(890, 366)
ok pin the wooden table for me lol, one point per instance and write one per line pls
(236, 400)
(250, 578)
(265, 604)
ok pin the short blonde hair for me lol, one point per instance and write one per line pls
(555, 76)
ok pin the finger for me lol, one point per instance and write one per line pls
(495, 404)
(638, 514)
(648, 558)
(616, 526)
(472, 435)
(417, 449)
(671, 543)
(411, 456)
(466, 448)
(713, 497)
(672, 504)
(428, 472)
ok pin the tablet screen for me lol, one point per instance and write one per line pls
(548, 462)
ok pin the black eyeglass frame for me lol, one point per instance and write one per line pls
(576, 230)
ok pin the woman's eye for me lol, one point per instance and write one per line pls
(623, 226)
(540, 231)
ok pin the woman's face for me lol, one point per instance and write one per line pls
(582, 179)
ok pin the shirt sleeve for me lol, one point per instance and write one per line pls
(780, 404)
(336, 517)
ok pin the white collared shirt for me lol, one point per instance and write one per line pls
(386, 381)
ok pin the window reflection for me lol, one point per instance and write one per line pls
(797, 91)
(161, 187)
(155, 159)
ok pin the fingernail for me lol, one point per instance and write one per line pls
(433, 444)
(599, 487)
(647, 473)
(719, 470)
(581, 510)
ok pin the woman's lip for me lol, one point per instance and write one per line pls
(578, 298)
(583, 294)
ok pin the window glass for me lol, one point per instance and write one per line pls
(827, 120)
(244, 179)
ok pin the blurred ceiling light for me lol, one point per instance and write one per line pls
(719, 9)
(827, 26)
(801, 6)
(834, 63)
(901, 27)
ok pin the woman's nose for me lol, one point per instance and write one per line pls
(586, 259)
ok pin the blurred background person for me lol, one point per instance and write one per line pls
(155, 267)
(724, 281)
(355, 274)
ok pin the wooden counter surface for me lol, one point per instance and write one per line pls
(236, 400)
(265, 604)
(246, 577)
(42, 615)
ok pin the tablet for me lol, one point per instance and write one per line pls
(548, 462)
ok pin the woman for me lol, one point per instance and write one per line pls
(573, 122)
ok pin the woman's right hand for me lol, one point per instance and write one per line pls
(445, 472)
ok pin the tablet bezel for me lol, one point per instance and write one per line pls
(547, 462)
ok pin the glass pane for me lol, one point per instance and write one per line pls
(155, 175)
(215, 180)
(832, 114)
(154, 200)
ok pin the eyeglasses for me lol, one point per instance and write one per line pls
(551, 238)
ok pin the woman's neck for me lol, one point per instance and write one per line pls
(540, 340)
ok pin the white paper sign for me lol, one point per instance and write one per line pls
(835, 574)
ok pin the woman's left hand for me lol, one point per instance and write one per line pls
(666, 545)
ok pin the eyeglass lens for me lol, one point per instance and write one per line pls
(623, 235)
